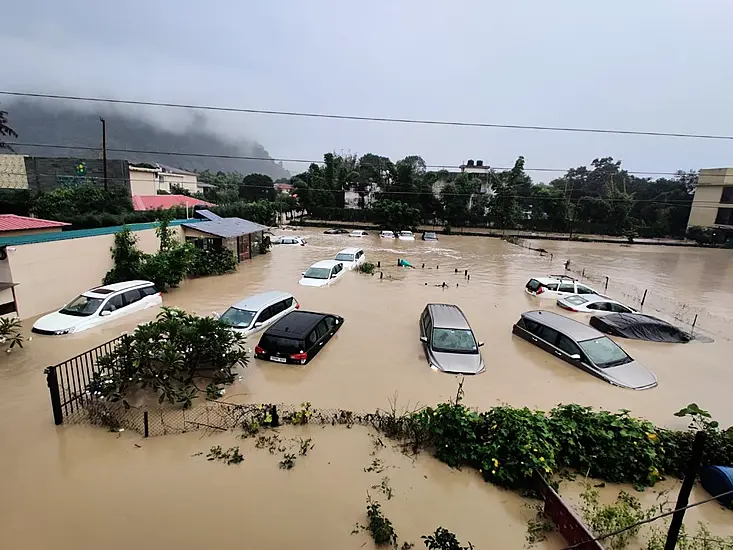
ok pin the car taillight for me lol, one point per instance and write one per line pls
(565, 306)
(299, 357)
(297, 305)
(259, 350)
(540, 290)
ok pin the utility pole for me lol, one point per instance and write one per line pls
(104, 150)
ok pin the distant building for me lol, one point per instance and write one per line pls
(148, 179)
(285, 188)
(164, 202)
(712, 205)
(14, 226)
(354, 199)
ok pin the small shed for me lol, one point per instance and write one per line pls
(242, 237)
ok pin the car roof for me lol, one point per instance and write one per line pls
(555, 279)
(569, 327)
(448, 316)
(326, 263)
(258, 301)
(295, 324)
(406, 231)
(593, 298)
(106, 290)
(350, 250)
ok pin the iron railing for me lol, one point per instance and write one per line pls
(68, 381)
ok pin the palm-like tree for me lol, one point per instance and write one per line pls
(5, 130)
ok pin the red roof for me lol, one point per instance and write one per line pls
(11, 222)
(154, 202)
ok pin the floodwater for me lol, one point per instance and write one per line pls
(81, 487)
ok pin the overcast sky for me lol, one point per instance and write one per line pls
(661, 65)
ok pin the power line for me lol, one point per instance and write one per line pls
(648, 520)
(464, 124)
(307, 161)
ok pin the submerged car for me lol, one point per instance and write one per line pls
(99, 306)
(290, 240)
(259, 311)
(449, 342)
(430, 236)
(336, 231)
(583, 347)
(387, 234)
(556, 286)
(322, 273)
(406, 236)
(351, 257)
(297, 337)
(592, 303)
(638, 326)
(358, 233)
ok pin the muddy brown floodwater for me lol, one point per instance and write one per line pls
(80, 487)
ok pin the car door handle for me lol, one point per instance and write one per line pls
(320, 344)
(534, 339)
(558, 353)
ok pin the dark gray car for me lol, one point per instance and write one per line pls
(584, 347)
(449, 343)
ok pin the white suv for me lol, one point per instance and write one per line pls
(556, 286)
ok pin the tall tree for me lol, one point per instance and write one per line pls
(5, 131)
(505, 206)
(255, 187)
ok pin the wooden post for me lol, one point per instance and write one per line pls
(684, 496)
(146, 425)
(643, 298)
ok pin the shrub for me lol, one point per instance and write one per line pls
(170, 357)
(366, 267)
(209, 261)
(10, 332)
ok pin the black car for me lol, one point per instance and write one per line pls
(297, 337)
(336, 231)
(638, 326)
(430, 236)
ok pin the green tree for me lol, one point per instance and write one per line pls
(396, 215)
(505, 208)
(257, 186)
(5, 131)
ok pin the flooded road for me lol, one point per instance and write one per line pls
(79, 487)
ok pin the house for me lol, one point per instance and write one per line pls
(285, 188)
(14, 226)
(170, 176)
(242, 237)
(712, 205)
(144, 179)
(164, 202)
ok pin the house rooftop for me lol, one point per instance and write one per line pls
(11, 222)
(164, 202)
(227, 227)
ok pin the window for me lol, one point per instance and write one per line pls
(454, 341)
(345, 257)
(567, 287)
(82, 306)
(724, 217)
(284, 345)
(618, 308)
(321, 329)
(551, 286)
(533, 285)
(131, 296)
(584, 290)
(277, 308)
(317, 273)
(265, 315)
(567, 345)
(238, 318)
(312, 338)
(727, 195)
(114, 303)
(148, 291)
(531, 326)
(603, 306)
(604, 352)
(548, 334)
(288, 303)
(330, 323)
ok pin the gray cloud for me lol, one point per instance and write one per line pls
(653, 65)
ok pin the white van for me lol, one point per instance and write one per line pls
(259, 311)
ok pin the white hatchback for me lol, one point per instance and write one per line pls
(387, 234)
(351, 257)
(99, 306)
(556, 286)
(406, 236)
(322, 273)
(592, 303)
(358, 233)
(290, 240)
(259, 311)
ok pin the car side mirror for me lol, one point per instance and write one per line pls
(575, 357)
(215, 315)
(302, 273)
(333, 275)
(480, 344)
(258, 324)
(424, 339)
(105, 313)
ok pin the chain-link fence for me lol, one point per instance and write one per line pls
(694, 319)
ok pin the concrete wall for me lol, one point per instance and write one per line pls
(12, 172)
(50, 274)
(715, 176)
(6, 296)
(704, 205)
(143, 182)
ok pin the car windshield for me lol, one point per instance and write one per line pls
(345, 257)
(317, 273)
(430, 234)
(576, 300)
(82, 306)
(406, 233)
(454, 341)
(604, 352)
(238, 318)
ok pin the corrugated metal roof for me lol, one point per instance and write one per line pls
(154, 202)
(207, 214)
(11, 222)
(227, 228)
(81, 233)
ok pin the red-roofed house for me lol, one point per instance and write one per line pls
(164, 202)
(13, 226)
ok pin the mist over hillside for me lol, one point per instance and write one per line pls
(46, 123)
